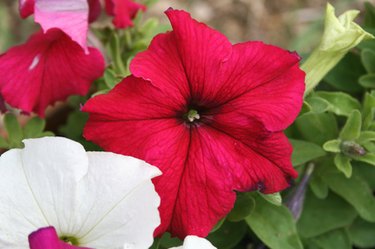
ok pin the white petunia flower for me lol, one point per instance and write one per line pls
(93, 199)
(194, 242)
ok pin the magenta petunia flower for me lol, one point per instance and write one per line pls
(123, 11)
(209, 114)
(49, 67)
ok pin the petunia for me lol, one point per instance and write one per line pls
(194, 242)
(70, 16)
(49, 67)
(123, 11)
(209, 114)
(65, 198)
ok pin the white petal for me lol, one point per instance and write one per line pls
(106, 199)
(39, 184)
(194, 242)
(122, 202)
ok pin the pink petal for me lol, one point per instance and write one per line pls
(71, 16)
(47, 238)
(26, 7)
(94, 10)
(47, 68)
(123, 11)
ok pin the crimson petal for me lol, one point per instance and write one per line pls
(47, 68)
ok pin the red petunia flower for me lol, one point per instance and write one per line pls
(47, 68)
(123, 11)
(209, 114)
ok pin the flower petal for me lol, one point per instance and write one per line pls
(94, 10)
(162, 66)
(55, 176)
(48, 68)
(123, 11)
(203, 52)
(47, 238)
(144, 102)
(70, 16)
(194, 242)
(122, 206)
(26, 7)
(262, 82)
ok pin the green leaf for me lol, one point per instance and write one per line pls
(352, 127)
(14, 130)
(242, 208)
(218, 225)
(318, 105)
(369, 15)
(334, 239)
(318, 187)
(274, 225)
(366, 136)
(368, 60)
(354, 190)
(306, 107)
(368, 110)
(274, 198)
(339, 103)
(368, 158)
(304, 152)
(342, 163)
(323, 215)
(229, 235)
(34, 127)
(110, 78)
(362, 233)
(166, 241)
(366, 172)
(332, 146)
(344, 76)
(317, 127)
(368, 80)
(3, 143)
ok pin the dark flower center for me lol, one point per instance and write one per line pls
(70, 240)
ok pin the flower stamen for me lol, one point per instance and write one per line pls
(192, 115)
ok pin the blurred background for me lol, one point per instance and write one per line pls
(293, 24)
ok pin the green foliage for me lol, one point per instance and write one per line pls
(304, 152)
(34, 128)
(274, 225)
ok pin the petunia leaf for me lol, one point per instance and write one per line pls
(339, 103)
(354, 190)
(369, 15)
(343, 164)
(368, 110)
(362, 233)
(274, 198)
(323, 215)
(332, 146)
(229, 235)
(274, 225)
(14, 130)
(367, 81)
(352, 127)
(338, 238)
(317, 104)
(34, 128)
(304, 152)
(244, 205)
(318, 186)
(368, 158)
(317, 128)
(368, 60)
